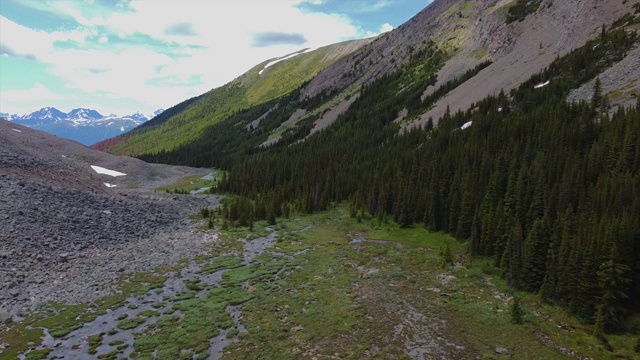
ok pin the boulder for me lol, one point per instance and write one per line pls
(5, 317)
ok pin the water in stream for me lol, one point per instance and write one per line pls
(75, 344)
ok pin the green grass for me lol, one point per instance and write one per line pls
(189, 183)
(478, 54)
(218, 104)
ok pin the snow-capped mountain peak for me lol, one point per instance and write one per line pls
(84, 114)
(137, 117)
(84, 125)
(47, 114)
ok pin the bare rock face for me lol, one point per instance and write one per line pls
(621, 82)
(383, 55)
(520, 49)
(472, 32)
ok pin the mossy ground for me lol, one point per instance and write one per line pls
(319, 293)
(189, 183)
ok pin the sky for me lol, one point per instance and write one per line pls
(126, 56)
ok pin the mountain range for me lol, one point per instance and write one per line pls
(85, 126)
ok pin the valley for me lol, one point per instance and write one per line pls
(464, 186)
(312, 286)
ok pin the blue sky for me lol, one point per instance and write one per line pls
(124, 56)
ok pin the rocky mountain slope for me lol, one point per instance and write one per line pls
(520, 49)
(60, 222)
(85, 126)
(468, 34)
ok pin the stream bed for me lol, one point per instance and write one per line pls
(111, 335)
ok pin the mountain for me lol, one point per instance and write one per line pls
(47, 115)
(511, 125)
(85, 126)
(503, 48)
(84, 114)
(266, 81)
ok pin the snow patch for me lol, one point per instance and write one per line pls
(101, 170)
(109, 185)
(282, 59)
(122, 128)
(16, 130)
(466, 125)
(542, 84)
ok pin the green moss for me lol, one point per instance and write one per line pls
(185, 295)
(195, 285)
(131, 323)
(221, 263)
(109, 356)
(149, 313)
(38, 354)
(94, 342)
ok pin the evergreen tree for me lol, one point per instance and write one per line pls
(516, 311)
(534, 259)
(613, 278)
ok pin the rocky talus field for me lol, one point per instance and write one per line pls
(66, 236)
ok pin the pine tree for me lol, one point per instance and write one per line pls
(596, 100)
(613, 278)
(447, 257)
(512, 257)
(534, 258)
(516, 311)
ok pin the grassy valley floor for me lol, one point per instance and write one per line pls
(321, 286)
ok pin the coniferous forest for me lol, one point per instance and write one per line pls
(548, 189)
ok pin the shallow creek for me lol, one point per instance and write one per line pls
(75, 344)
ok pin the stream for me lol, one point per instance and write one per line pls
(75, 344)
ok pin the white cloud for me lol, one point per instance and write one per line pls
(219, 49)
(386, 27)
(12, 101)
